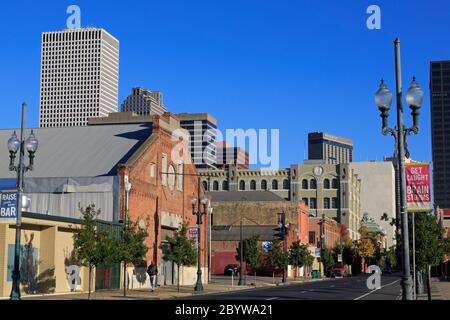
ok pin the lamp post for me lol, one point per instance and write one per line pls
(283, 231)
(241, 254)
(14, 145)
(127, 186)
(198, 201)
(414, 98)
(322, 242)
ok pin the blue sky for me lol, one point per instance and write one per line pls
(297, 66)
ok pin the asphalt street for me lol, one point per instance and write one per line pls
(351, 288)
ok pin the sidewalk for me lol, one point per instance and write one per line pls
(440, 290)
(166, 292)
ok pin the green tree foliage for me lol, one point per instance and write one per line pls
(391, 257)
(92, 247)
(299, 255)
(276, 257)
(131, 248)
(180, 250)
(252, 252)
(327, 259)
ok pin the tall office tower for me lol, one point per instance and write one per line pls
(144, 102)
(440, 131)
(202, 129)
(329, 148)
(228, 155)
(79, 76)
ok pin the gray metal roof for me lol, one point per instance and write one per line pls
(232, 233)
(235, 196)
(88, 151)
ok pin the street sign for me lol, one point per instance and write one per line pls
(317, 253)
(339, 257)
(9, 202)
(193, 233)
(267, 245)
(418, 189)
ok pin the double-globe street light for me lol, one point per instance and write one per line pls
(414, 98)
(15, 145)
(199, 213)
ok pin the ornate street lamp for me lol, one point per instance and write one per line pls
(383, 100)
(127, 186)
(199, 213)
(283, 225)
(15, 145)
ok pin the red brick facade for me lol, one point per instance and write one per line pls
(331, 232)
(150, 200)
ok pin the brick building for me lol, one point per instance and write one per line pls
(259, 212)
(331, 232)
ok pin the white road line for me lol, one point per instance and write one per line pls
(274, 298)
(304, 292)
(332, 286)
(369, 293)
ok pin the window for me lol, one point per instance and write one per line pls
(305, 200)
(205, 186)
(242, 185)
(312, 237)
(305, 184)
(164, 170)
(225, 185)
(263, 185)
(334, 203)
(313, 203)
(335, 184)
(326, 203)
(326, 184)
(274, 185)
(313, 184)
(215, 186)
(180, 180)
(286, 184)
(253, 185)
(152, 170)
(171, 178)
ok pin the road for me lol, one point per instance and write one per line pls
(352, 288)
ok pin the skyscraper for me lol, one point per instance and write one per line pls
(329, 148)
(440, 131)
(144, 102)
(79, 76)
(202, 129)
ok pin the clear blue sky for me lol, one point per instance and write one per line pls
(298, 66)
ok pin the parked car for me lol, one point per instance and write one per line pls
(231, 269)
(338, 271)
(388, 270)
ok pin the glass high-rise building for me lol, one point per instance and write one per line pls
(440, 131)
(79, 76)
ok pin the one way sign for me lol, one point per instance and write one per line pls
(9, 201)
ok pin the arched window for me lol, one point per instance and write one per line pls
(242, 185)
(225, 185)
(205, 185)
(326, 203)
(274, 185)
(305, 184)
(253, 185)
(335, 184)
(326, 184)
(286, 184)
(313, 184)
(263, 185)
(171, 177)
(216, 186)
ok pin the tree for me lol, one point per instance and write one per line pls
(131, 248)
(276, 257)
(252, 252)
(327, 259)
(391, 257)
(430, 245)
(366, 245)
(180, 250)
(92, 247)
(299, 255)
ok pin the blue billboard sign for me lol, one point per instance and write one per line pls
(9, 203)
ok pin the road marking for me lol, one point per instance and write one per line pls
(271, 298)
(332, 286)
(369, 293)
(304, 292)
